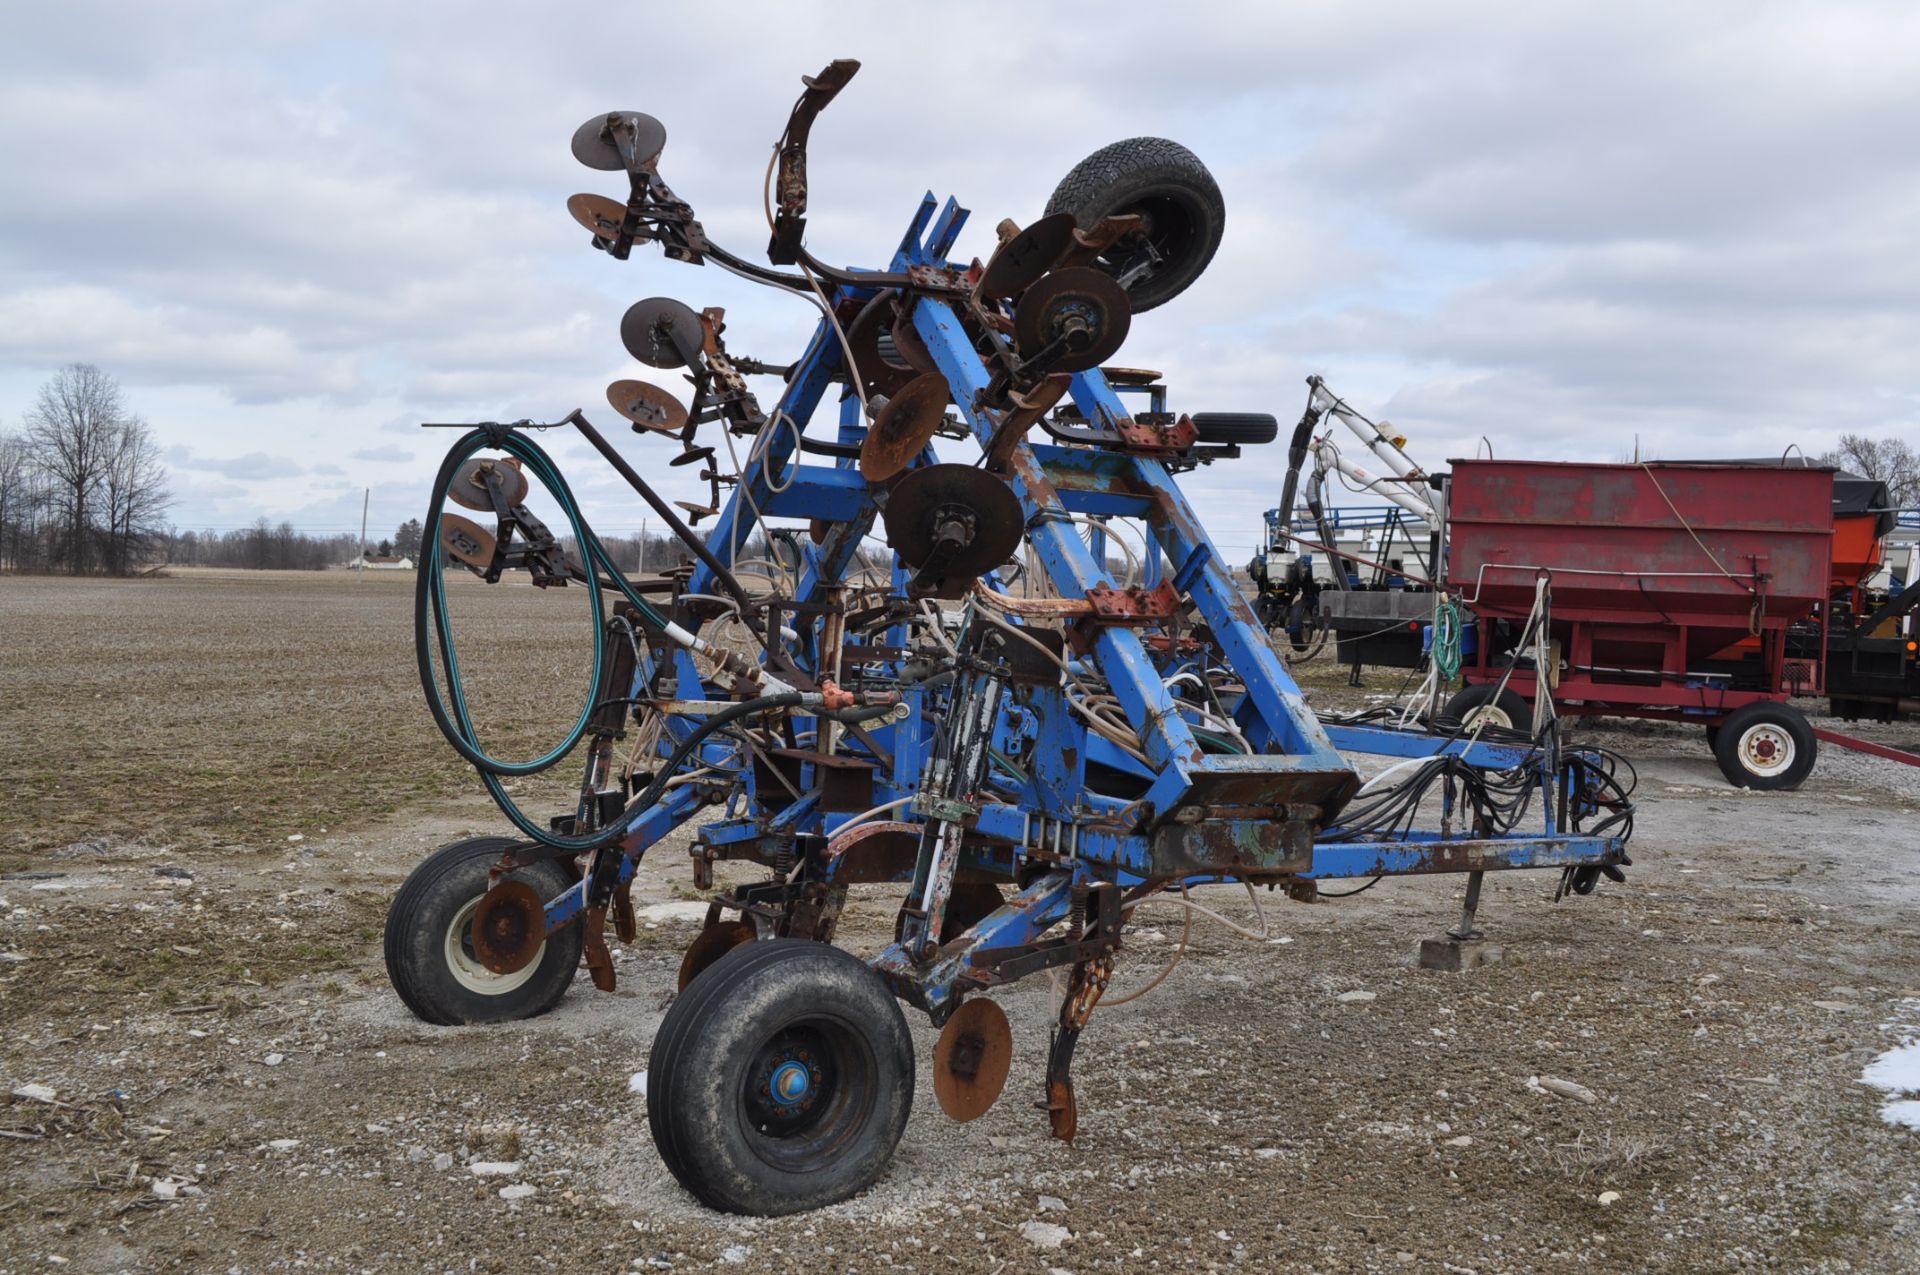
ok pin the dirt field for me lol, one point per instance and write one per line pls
(218, 781)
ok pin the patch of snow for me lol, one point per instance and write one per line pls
(1897, 1071)
(1904, 1112)
(637, 1083)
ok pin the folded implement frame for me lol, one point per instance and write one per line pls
(1029, 769)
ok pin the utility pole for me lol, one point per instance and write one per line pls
(641, 570)
(360, 572)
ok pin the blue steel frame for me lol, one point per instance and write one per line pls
(1044, 830)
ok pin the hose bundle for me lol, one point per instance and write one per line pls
(433, 630)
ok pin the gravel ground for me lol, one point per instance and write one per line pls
(208, 1071)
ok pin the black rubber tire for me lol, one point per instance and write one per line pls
(702, 1075)
(1235, 427)
(1713, 737)
(1297, 620)
(1166, 183)
(424, 911)
(1512, 704)
(1746, 735)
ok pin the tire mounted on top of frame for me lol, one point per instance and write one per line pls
(1177, 200)
(429, 942)
(781, 1079)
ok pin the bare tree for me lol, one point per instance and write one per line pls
(134, 491)
(1892, 461)
(16, 490)
(71, 429)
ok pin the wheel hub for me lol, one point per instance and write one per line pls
(1766, 749)
(791, 1082)
(788, 1083)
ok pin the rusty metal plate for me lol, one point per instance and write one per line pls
(645, 326)
(906, 425)
(1136, 605)
(1081, 307)
(971, 1060)
(922, 499)
(1021, 260)
(648, 406)
(712, 943)
(509, 927)
(469, 485)
(601, 216)
(465, 540)
(618, 140)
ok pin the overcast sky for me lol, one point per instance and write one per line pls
(293, 231)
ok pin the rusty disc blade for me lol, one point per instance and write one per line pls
(644, 330)
(971, 1060)
(648, 406)
(926, 497)
(509, 927)
(909, 346)
(469, 486)
(465, 540)
(879, 373)
(1021, 260)
(1084, 309)
(712, 943)
(600, 215)
(906, 425)
(619, 139)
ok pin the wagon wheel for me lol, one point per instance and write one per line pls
(1508, 710)
(781, 1079)
(1766, 746)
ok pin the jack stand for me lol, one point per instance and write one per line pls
(1463, 947)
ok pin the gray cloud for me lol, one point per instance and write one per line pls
(252, 466)
(1559, 229)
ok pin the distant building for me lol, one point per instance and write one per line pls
(382, 562)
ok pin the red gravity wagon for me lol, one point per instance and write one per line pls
(1672, 586)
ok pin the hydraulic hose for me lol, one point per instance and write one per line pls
(433, 628)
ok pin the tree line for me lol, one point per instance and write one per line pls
(82, 489)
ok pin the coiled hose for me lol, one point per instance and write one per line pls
(1448, 624)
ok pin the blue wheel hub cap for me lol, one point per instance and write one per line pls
(790, 1082)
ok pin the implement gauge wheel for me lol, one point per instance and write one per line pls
(1765, 745)
(1180, 204)
(781, 1079)
(431, 959)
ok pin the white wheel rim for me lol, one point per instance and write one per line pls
(1492, 714)
(1766, 749)
(466, 967)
